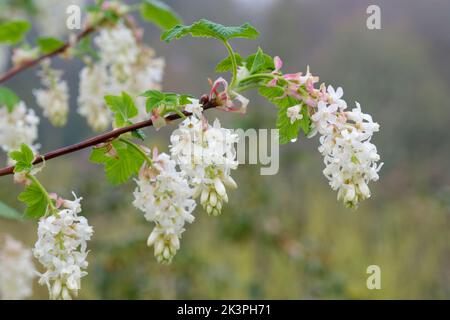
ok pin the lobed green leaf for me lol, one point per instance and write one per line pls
(122, 166)
(209, 29)
(123, 108)
(23, 157)
(156, 99)
(287, 131)
(35, 200)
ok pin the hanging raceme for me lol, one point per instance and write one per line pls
(120, 86)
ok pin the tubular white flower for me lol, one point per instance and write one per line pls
(62, 249)
(17, 127)
(206, 155)
(16, 270)
(54, 99)
(165, 197)
(294, 114)
(91, 105)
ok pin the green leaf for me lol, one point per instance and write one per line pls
(305, 122)
(260, 62)
(120, 167)
(47, 45)
(226, 64)
(271, 93)
(209, 29)
(123, 107)
(35, 200)
(23, 157)
(288, 131)
(12, 32)
(8, 98)
(157, 98)
(8, 212)
(159, 13)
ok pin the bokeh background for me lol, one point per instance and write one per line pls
(285, 236)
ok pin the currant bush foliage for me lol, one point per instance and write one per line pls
(208, 29)
(120, 86)
(121, 161)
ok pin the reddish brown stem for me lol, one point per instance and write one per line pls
(105, 137)
(15, 70)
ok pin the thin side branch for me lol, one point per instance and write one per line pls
(105, 137)
(15, 70)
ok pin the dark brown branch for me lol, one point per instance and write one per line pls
(105, 137)
(15, 70)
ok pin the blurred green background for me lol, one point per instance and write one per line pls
(285, 236)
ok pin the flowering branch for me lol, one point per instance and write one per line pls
(17, 69)
(106, 137)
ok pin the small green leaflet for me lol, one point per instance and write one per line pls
(8, 212)
(8, 98)
(209, 29)
(271, 93)
(159, 13)
(123, 108)
(157, 98)
(35, 200)
(12, 32)
(276, 96)
(23, 157)
(47, 45)
(289, 131)
(260, 62)
(122, 166)
(226, 64)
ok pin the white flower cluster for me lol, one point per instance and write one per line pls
(61, 249)
(206, 155)
(165, 197)
(118, 49)
(350, 158)
(91, 104)
(124, 65)
(54, 99)
(17, 127)
(16, 270)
